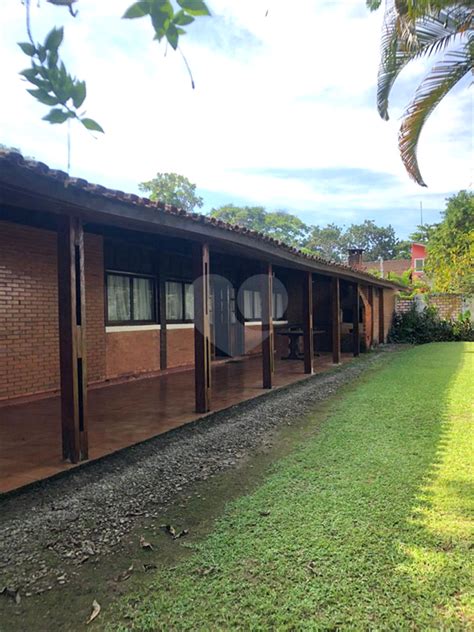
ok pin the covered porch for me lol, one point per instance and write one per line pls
(124, 414)
(102, 288)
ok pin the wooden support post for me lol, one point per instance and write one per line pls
(72, 338)
(355, 320)
(267, 326)
(381, 318)
(240, 319)
(308, 340)
(372, 314)
(336, 320)
(162, 307)
(202, 330)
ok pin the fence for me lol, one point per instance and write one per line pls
(449, 306)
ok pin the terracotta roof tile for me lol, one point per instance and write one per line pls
(135, 200)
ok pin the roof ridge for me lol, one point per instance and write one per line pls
(131, 198)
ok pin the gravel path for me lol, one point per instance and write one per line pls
(85, 513)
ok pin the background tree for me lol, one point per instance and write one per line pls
(252, 217)
(277, 224)
(414, 29)
(422, 233)
(327, 242)
(377, 241)
(174, 189)
(451, 247)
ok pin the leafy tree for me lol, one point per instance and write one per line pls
(451, 247)
(377, 241)
(332, 241)
(286, 227)
(414, 29)
(422, 233)
(171, 188)
(328, 242)
(403, 249)
(277, 224)
(252, 217)
(54, 86)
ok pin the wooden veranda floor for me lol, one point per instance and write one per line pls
(124, 414)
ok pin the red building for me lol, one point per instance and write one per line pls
(418, 256)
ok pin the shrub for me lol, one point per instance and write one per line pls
(416, 327)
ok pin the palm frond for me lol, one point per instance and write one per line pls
(442, 78)
(404, 40)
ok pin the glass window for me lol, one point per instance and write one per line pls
(130, 298)
(118, 298)
(419, 265)
(188, 301)
(174, 300)
(248, 304)
(257, 306)
(252, 305)
(142, 298)
(179, 301)
(277, 306)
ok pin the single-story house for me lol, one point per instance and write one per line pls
(122, 318)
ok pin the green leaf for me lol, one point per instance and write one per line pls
(79, 93)
(172, 36)
(54, 39)
(27, 48)
(92, 125)
(161, 15)
(182, 19)
(194, 7)
(43, 97)
(29, 73)
(52, 59)
(56, 116)
(41, 53)
(137, 10)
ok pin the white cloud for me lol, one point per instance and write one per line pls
(292, 90)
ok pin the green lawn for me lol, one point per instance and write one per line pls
(368, 525)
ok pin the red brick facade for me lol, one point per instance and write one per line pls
(29, 350)
(29, 346)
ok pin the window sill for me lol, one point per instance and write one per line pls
(258, 323)
(117, 329)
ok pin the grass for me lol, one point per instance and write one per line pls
(365, 526)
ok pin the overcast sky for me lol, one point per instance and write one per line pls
(283, 114)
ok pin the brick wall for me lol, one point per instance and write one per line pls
(389, 308)
(29, 338)
(29, 353)
(95, 332)
(375, 316)
(132, 352)
(180, 349)
(449, 306)
(404, 305)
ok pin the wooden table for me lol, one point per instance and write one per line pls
(294, 335)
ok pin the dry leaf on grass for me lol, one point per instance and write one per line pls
(149, 567)
(171, 531)
(95, 612)
(145, 545)
(13, 594)
(124, 575)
